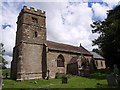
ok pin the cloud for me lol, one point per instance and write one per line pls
(67, 23)
(100, 11)
(9, 59)
(71, 25)
(111, 3)
(8, 15)
(8, 38)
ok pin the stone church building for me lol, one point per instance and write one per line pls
(34, 57)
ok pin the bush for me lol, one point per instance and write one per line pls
(4, 71)
(60, 76)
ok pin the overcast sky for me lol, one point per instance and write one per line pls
(67, 22)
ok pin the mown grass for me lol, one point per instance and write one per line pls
(8, 83)
(73, 82)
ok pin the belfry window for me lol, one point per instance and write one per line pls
(35, 34)
(60, 61)
(34, 20)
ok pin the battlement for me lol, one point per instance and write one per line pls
(33, 11)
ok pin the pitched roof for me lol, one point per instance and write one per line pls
(67, 48)
(96, 55)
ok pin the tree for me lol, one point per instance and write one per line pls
(109, 39)
(1, 48)
(98, 51)
(3, 62)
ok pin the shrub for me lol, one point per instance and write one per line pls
(60, 76)
(4, 71)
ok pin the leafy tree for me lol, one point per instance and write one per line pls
(109, 39)
(1, 48)
(3, 62)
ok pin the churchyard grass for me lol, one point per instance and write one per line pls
(96, 80)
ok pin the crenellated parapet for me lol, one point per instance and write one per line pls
(31, 10)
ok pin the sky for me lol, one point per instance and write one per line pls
(68, 21)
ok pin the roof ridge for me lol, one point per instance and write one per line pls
(63, 43)
(66, 47)
(96, 55)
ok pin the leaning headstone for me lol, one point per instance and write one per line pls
(111, 79)
(35, 82)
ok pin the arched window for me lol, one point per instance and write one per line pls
(35, 34)
(60, 61)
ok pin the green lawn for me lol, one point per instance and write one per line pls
(73, 82)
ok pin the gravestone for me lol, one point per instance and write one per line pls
(64, 79)
(35, 82)
(111, 79)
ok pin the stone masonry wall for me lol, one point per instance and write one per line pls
(31, 61)
(52, 62)
(101, 64)
(29, 57)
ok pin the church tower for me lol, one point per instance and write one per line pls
(29, 61)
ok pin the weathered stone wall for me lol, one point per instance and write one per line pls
(26, 29)
(13, 65)
(101, 64)
(29, 60)
(52, 62)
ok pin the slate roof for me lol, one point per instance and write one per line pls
(96, 55)
(66, 48)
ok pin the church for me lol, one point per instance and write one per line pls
(34, 57)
